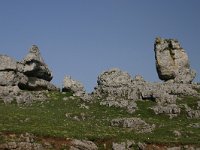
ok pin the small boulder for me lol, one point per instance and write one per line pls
(137, 124)
(71, 85)
(82, 145)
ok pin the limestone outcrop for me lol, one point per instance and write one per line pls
(117, 88)
(31, 74)
(38, 73)
(34, 65)
(123, 93)
(172, 61)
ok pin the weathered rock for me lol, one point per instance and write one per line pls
(13, 93)
(11, 78)
(114, 77)
(7, 63)
(193, 114)
(36, 84)
(119, 146)
(34, 65)
(172, 61)
(82, 145)
(71, 85)
(171, 109)
(124, 94)
(136, 124)
(20, 142)
(7, 78)
(194, 125)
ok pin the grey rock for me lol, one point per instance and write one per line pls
(134, 123)
(193, 114)
(142, 146)
(119, 146)
(198, 105)
(83, 145)
(172, 62)
(11, 78)
(172, 109)
(194, 125)
(174, 148)
(74, 86)
(13, 93)
(7, 63)
(177, 133)
(34, 65)
(36, 84)
(23, 142)
(114, 77)
(7, 78)
(124, 94)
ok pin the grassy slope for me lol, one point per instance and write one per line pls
(49, 119)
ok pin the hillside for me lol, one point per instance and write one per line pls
(55, 122)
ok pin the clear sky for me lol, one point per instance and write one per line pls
(82, 38)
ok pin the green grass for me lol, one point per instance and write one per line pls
(49, 119)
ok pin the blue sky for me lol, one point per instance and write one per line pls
(82, 38)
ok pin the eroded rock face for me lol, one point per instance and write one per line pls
(172, 61)
(34, 65)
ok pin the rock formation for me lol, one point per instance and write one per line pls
(172, 61)
(34, 65)
(74, 86)
(30, 74)
(38, 73)
(119, 89)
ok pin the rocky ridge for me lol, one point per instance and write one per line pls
(117, 88)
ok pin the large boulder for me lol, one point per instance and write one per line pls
(34, 65)
(172, 61)
(114, 77)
